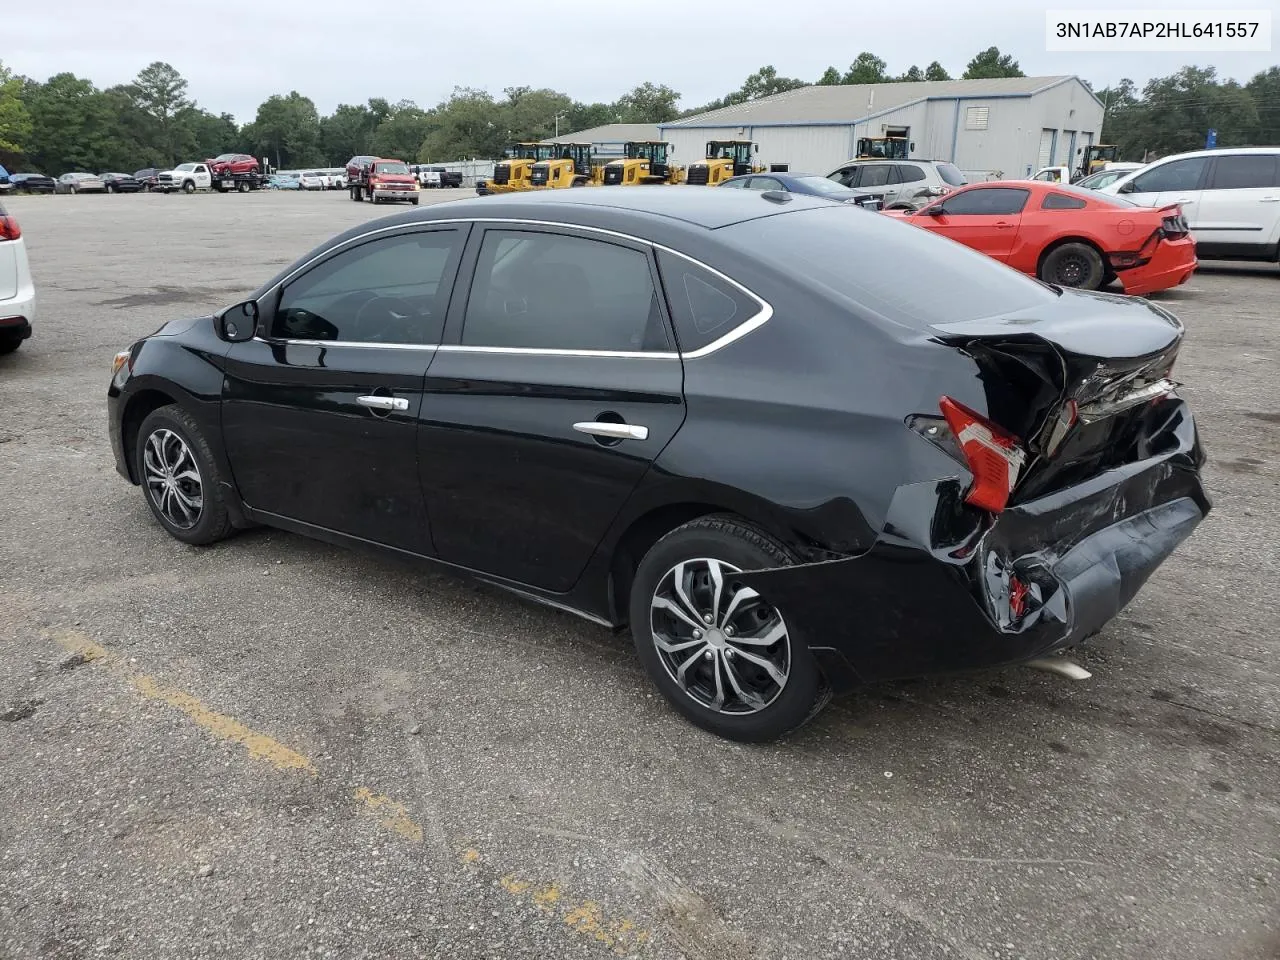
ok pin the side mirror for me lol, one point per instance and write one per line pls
(238, 323)
(1125, 187)
(937, 210)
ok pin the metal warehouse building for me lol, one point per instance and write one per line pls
(611, 140)
(1007, 127)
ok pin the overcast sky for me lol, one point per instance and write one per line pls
(336, 51)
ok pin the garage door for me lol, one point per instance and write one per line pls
(1046, 148)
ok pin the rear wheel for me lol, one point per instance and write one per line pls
(1073, 265)
(720, 655)
(180, 477)
(243, 186)
(9, 344)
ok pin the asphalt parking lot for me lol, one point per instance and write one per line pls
(274, 748)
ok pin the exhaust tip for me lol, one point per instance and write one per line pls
(1060, 666)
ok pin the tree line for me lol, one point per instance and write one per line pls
(66, 123)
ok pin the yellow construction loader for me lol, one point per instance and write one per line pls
(514, 172)
(1097, 156)
(883, 148)
(571, 165)
(725, 159)
(646, 161)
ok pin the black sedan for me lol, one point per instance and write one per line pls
(733, 420)
(808, 185)
(120, 182)
(32, 183)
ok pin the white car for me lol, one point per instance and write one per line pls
(1230, 198)
(311, 181)
(17, 294)
(187, 177)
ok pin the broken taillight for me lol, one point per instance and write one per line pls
(994, 456)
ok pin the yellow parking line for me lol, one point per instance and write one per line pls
(391, 814)
(259, 745)
(586, 918)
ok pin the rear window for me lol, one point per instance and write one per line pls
(1084, 193)
(874, 264)
(951, 174)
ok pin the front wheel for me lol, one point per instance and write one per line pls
(720, 655)
(180, 478)
(188, 186)
(1073, 265)
(9, 344)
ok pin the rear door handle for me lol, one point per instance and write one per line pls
(1269, 199)
(616, 431)
(383, 403)
(1003, 224)
(1186, 200)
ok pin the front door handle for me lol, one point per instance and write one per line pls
(615, 431)
(1186, 200)
(383, 403)
(1003, 224)
(1269, 199)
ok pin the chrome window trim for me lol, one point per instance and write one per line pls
(286, 341)
(752, 323)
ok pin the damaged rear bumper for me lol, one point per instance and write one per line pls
(935, 592)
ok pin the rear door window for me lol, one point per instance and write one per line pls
(910, 173)
(951, 174)
(552, 291)
(876, 175)
(1244, 172)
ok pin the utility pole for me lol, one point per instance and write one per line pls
(558, 117)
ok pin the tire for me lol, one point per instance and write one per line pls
(242, 186)
(110, 189)
(9, 344)
(160, 431)
(1073, 265)
(414, 201)
(732, 544)
(188, 186)
(72, 190)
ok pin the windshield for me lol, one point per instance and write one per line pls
(226, 156)
(1101, 179)
(859, 260)
(185, 166)
(822, 185)
(393, 166)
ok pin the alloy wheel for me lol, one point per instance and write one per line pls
(719, 641)
(173, 478)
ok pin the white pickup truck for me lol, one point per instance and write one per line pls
(187, 177)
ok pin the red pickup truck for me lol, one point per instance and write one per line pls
(380, 178)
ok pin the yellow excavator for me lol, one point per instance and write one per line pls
(514, 172)
(646, 161)
(883, 148)
(725, 159)
(570, 165)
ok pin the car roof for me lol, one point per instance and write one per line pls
(707, 207)
(1219, 151)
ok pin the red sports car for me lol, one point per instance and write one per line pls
(1066, 235)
